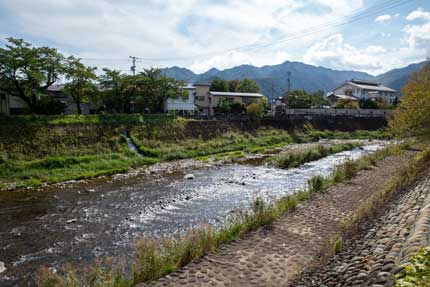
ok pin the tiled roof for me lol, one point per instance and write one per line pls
(231, 94)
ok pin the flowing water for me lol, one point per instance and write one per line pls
(79, 224)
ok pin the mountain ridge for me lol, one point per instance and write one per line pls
(273, 78)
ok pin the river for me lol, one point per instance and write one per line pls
(81, 223)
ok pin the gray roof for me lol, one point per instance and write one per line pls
(189, 87)
(56, 88)
(231, 94)
(202, 84)
(371, 86)
(344, 97)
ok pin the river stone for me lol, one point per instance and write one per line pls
(189, 176)
(2, 267)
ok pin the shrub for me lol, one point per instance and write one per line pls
(417, 272)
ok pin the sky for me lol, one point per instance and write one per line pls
(373, 36)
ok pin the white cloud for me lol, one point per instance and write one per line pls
(334, 53)
(417, 36)
(383, 18)
(418, 14)
(234, 58)
(170, 28)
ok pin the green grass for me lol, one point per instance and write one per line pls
(227, 142)
(417, 272)
(297, 158)
(156, 258)
(49, 149)
(89, 119)
(59, 169)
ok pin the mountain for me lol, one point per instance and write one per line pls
(180, 74)
(397, 78)
(273, 80)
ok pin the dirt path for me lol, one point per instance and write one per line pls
(274, 257)
(374, 255)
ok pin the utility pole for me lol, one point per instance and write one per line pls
(133, 67)
(428, 55)
(272, 89)
(289, 83)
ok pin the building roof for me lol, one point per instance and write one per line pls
(56, 88)
(344, 97)
(189, 87)
(202, 85)
(372, 86)
(231, 94)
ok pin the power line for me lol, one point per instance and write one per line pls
(354, 17)
(372, 11)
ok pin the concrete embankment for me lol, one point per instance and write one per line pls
(275, 256)
(382, 247)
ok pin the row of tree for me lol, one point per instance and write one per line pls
(236, 86)
(27, 72)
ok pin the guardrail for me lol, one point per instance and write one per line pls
(334, 112)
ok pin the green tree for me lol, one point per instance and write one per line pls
(118, 91)
(299, 99)
(411, 116)
(153, 89)
(219, 85)
(27, 72)
(81, 85)
(368, 104)
(248, 86)
(233, 86)
(347, 104)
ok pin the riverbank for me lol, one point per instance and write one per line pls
(274, 257)
(378, 251)
(263, 215)
(35, 151)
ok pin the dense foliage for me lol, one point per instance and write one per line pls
(412, 116)
(236, 86)
(27, 72)
(299, 99)
(417, 272)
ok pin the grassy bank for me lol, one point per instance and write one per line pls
(50, 149)
(156, 258)
(227, 142)
(297, 158)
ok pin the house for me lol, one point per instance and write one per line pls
(206, 101)
(10, 105)
(183, 104)
(360, 89)
(57, 91)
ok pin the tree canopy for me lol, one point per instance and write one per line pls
(219, 85)
(27, 72)
(412, 116)
(81, 82)
(244, 86)
(299, 99)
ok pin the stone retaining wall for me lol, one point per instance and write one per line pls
(386, 244)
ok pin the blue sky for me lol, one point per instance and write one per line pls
(203, 34)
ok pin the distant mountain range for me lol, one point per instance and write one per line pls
(273, 79)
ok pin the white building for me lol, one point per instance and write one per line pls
(365, 90)
(183, 105)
